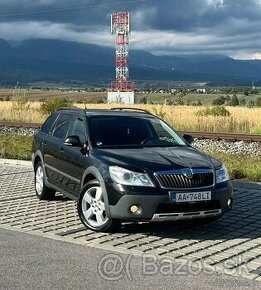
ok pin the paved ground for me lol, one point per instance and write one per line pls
(231, 245)
(31, 262)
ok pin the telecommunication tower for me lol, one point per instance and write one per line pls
(122, 89)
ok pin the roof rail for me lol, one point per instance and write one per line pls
(69, 108)
(131, 109)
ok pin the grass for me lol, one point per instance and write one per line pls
(41, 95)
(240, 166)
(205, 99)
(15, 146)
(241, 119)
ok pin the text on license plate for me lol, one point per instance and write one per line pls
(191, 196)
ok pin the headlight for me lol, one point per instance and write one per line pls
(127, 177)
(222, 174)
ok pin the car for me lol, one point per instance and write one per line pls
(125, 164)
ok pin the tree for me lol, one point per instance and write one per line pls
(251, 104)
(242, 101)
(180, 100)
(234, 101)
(219, 101)
(144, 100)
(258, 102)
(246, 93)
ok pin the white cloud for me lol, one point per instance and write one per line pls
(155, 41)
(257, 56)
(22, 30)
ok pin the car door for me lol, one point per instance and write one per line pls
(73, 158)
(52, 152)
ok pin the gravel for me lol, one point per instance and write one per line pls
(19, 131)
(234, 148)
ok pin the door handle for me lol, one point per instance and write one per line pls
(61, 150)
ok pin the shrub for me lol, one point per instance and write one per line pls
(7, 98)
(258, 102)
(219, 101)
(251, 104)
(160, 112)
(20, 101)
(52, 105)
(234, 101)
(215, 111)
(242, 101)
(143, 100)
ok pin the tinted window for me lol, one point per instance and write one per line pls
(61, 131)
(132, 131)
(78, 128)
(47, 125)
(118, 130)
(62, 126)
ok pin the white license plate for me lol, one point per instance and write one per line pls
(190, 196)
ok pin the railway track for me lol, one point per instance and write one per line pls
(195, 134)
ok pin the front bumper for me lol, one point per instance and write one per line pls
(158, 207)
(159, 217)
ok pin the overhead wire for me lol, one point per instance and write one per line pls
(89, 6)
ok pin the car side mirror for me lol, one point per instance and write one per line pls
(188, 138)
(72, 141)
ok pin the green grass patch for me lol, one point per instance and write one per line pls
(15, 146)
(241, 166)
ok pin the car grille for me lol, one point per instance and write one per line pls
(180, 181)
(188, 207)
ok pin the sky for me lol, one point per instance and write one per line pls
(162, 27)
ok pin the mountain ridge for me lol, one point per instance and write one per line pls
(57, 60)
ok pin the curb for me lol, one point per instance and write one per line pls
(247, 185)
(15, 162)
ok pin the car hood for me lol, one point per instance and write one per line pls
(156, 158)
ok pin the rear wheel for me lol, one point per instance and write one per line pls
(42, 191)
(91, 209)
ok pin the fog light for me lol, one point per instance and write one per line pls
(134, 208)
(229, 202)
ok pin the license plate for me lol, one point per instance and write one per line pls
(190, 196)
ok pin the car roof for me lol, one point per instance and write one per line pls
(109, 112)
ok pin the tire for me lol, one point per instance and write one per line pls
(91, 209)
(42, 191)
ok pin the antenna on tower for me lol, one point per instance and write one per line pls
(122, 89)
(253, 85)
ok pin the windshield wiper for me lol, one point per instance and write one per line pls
(119, 146)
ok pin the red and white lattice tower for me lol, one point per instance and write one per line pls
(122, 89)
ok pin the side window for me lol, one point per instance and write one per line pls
(48, 124)
(62, 126)
(78, 128)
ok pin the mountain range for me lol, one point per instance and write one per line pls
(64, 61)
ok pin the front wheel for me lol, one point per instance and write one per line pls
(91, 208)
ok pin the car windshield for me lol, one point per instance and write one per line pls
(126, 131)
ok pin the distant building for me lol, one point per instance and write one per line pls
(201, 90)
